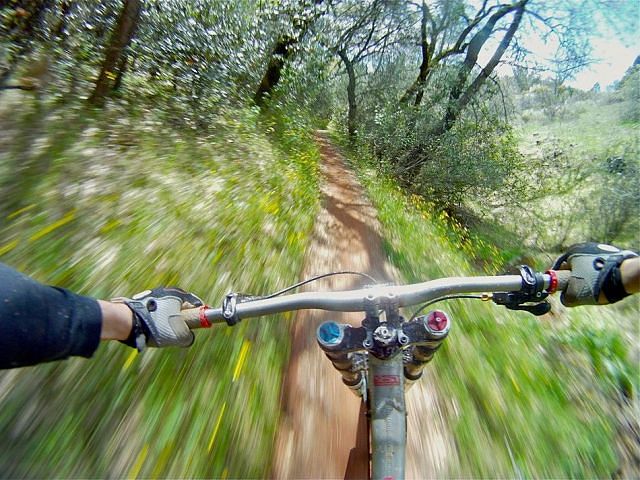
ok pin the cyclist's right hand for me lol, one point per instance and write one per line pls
(595, 274)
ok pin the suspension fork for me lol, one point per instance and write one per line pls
(384, 380)
(388, 417)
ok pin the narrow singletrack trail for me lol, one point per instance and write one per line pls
(319, 425)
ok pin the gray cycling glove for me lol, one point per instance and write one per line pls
(156, 318)
(595, 269)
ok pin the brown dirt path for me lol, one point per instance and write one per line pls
(320, 415)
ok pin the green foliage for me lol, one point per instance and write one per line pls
(470, 161)
(552, 99)
(191, 68)
(130, 203)
(476, 158)
(608, 352)
(304, 87)
(69, 34)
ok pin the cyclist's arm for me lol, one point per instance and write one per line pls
(39, 323)
(630, 273)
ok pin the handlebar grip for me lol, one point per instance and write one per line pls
(193, 318)
(563, 279)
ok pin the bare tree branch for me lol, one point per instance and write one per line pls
(459, 96)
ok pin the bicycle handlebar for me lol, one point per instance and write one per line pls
(368, 298)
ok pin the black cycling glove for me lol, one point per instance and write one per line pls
(595, 269)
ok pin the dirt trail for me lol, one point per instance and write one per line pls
(320, 415)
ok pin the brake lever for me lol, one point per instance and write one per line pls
(531, 299)
(519, 301)
(537, 309)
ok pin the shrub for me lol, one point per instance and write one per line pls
(477, 157)
(630, 94)
(615, 209)
(469, 161)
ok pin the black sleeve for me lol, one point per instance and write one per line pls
(40, 323)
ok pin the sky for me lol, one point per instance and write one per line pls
(615, 47)
(613, 58)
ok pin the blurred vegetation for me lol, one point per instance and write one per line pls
(169, 142)
(129, 203)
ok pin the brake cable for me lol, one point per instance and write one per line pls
(231, 300)
(483, 297)
(318, 277)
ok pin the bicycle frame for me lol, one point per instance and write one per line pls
(374, 361)
(388, 417)
(383, 340)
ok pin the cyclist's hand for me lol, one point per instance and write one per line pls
(156, 318)
(595, 274)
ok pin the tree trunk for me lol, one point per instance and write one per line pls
(351, 94)
(493, 62)
(417, 88)
(122, 69)
(120, 38)
(280, 54)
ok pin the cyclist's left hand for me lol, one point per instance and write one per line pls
(156, 317)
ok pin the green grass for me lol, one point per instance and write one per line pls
(127, 204)
(591, 127)
(523, 395)
(575, 196)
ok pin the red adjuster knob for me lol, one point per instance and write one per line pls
(204, 321)
(437, 321)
